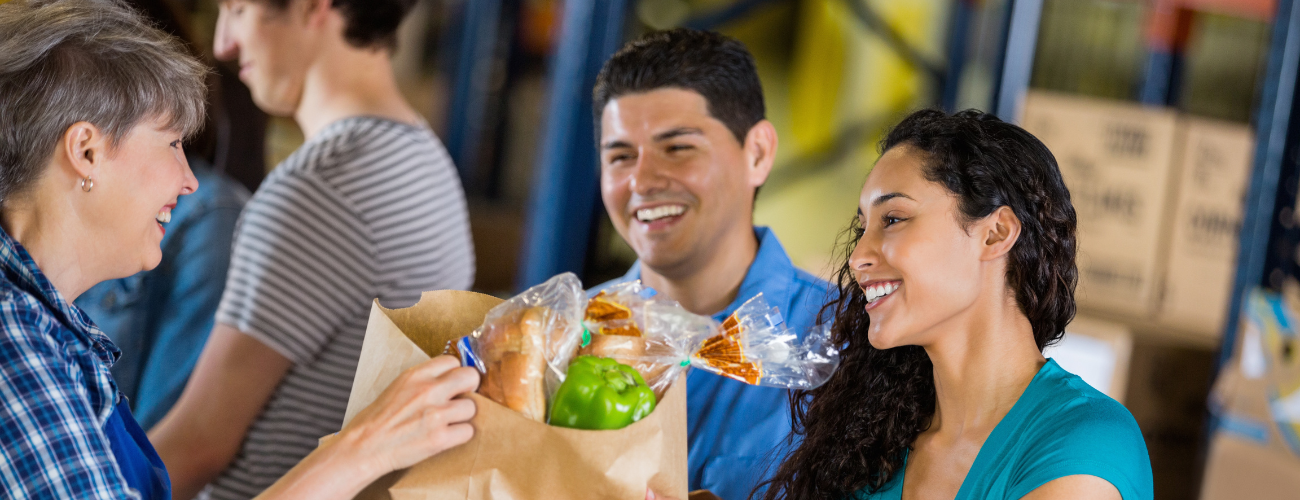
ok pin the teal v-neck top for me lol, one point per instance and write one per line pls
(1059, 427)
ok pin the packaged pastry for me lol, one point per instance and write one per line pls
(755, 346)
(612, 327)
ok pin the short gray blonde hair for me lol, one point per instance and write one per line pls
(67, 61)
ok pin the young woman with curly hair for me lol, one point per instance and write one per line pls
(960, 269)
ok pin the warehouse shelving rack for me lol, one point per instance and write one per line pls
(563, 206)
(565, 191)
(566, 181)
(1269, 232)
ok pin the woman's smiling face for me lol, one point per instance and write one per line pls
(918, 266)
(133, 193)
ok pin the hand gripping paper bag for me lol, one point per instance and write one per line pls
(512, 456)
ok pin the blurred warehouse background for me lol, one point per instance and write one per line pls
(1171, 120)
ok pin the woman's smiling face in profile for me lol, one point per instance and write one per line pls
(133, 193)
(916, 263)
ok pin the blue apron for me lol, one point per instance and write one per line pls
(139, 463)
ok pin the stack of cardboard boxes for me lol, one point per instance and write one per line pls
(1255, 447)
(1159, 199)
(1117, 161)
(1098, 352)
(1205, 223)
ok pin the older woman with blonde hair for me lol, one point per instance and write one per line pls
(94, 105)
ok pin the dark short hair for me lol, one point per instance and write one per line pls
(715, 66)
(369, 23)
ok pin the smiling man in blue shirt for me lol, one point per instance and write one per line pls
(684, 147)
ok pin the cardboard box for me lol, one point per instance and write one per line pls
(1212, 174)
(1169, 383)
(1239, 468)
(1117, 161)
(1098, 352)
(1255, 450)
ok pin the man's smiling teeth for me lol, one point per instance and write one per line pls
(877, 291)
(164, 216)
(656, 213)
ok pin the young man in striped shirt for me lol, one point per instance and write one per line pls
(369, 207)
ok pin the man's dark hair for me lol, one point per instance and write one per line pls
(707, 63)
(369, 23)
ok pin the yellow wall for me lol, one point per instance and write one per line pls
(838, 77)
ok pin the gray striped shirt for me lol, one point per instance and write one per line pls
(366, 208)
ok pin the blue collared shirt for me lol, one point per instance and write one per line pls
(56, 392)
(161, 318)
(737, 432)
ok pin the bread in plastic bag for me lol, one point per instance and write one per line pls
(614, 326)
(755, 346)
(525, 344)
(671, 334)
(632, 325)
(617, 310)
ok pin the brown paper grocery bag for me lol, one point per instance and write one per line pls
(511, 457)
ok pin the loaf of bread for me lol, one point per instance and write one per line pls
(647, 359)
(624, 349)
(514, 354)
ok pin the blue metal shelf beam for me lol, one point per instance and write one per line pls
(959, 23)
(475, 48)
(566, 182)
(738, 9)
(1017, 59)
(1276, 132)
(1159, 75)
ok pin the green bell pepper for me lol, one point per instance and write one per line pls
(600, 393)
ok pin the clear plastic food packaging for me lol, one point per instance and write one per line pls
(524, 346)
(616, 324)
(755, 346)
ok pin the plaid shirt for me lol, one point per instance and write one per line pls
(56, 392)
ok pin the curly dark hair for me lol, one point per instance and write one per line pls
(717, 67)
(858, 427)
(369, 23)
